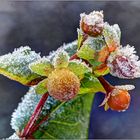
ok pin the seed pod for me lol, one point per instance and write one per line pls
(63, 84)
(124, 63)
(119, 100)
(93, 23)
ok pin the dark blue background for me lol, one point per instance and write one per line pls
(44, 26)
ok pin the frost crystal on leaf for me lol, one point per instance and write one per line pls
(42, 66)
(15, 65)
(61, 59)
(79, 67)
(19, 60)
(112, 36)
(125, 87)
(25, 109)
(13, 137)
(124, 63)
(95, 43)
(70, 48)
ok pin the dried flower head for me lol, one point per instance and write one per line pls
(123, 63)
(63, 84)
(93, 23)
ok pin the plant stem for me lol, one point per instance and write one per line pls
(35, 127)
(34, 116)
(107, 86)
(74, 57)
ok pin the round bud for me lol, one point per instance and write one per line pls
(63, 84)
(93, 23)
(119, 100)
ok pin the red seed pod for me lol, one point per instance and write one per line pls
(119, 100)
(63, 84)
(93, 23)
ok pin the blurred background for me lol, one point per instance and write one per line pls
(44, 26)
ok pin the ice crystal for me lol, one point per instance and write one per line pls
(124, 63)
(95, 43)
(93, 18)
(25, 109)
(70, 48)
(125, 87)
(42, 66)
(14, 137)
(61, 59)
(112, 35)
(18, 61)
(81, 63)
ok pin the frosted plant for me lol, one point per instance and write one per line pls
(14, 137)
(63, 84)
(124, 63)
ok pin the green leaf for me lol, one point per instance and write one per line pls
(112, 35)
(96, 43)
(42, 67)
(90, 84)
(94, 63)
(41, 88)
(78, 67)
(101, 72)
(80, 39)
(86, 52)
(61, 59)
(69, 120)
(15, 65)
(106, 107)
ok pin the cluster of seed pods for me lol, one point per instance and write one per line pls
(121, 61)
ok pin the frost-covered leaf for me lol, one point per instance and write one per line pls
(86, 52)
(67, 119)
(90, 84)
(78, 67)
(96, 43)
(41, 88)
(42, 66)
(14, 137)
(26, 107)
(15, 65)
(61, 59)
(80, 38)
(70, 48)
(112, 36)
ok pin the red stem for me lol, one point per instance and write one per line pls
(38, 125)
(34, 116)
(107, 86)
(74, 57)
